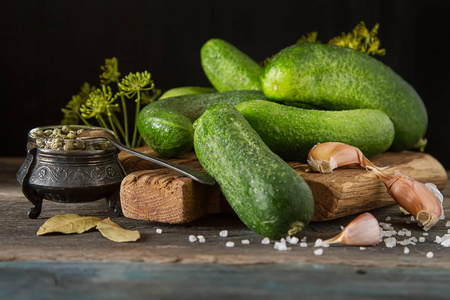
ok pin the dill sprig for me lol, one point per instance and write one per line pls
(102, 103)
(360, 38)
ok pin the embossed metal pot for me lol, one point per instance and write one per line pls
(71, 176)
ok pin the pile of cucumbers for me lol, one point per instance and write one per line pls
(254, 118)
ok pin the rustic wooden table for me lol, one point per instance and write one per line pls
(168, 265)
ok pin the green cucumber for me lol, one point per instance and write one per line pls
(187, 90)
(166, 125)
(267, 195)
(339, 78)
(228, 68)
(291, 132)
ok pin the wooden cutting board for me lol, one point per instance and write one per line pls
(150, 192)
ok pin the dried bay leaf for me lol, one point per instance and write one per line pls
(67, 224)
(116, 233)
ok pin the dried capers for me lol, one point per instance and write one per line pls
(64, 138)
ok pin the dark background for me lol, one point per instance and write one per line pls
(49, 48)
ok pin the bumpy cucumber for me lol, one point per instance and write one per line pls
(166, 125)
(339, 78)
(187, 90)
(266, 194)
(228, 68)
(174, 131)
(291, 132)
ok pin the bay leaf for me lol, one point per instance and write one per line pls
(67, 224)
(116, 233)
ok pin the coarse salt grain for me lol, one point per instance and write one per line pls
(223, 233)
(388, 219)
(265, 241)
(318, 251)
(406, 250)
(425, 234)
(362, 248)
(446, 243)
(318, 243)
(421, 239)
(292, 240)
(303, 240)
(303, 245)
(281, 246)
(192, 238)
(409, 241)
(430, 254)
(201, 238)
(388, 233)
(447, 224)
(159, 230)
(245, 242)
(390, 242)
(229, 244)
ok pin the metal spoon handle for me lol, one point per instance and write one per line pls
(191, 173)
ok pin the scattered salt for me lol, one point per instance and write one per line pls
(388, 233)
(281, 246)
(318, 243)
(303, 245)
(447, 224)
(265, 241)
(245, 242)
(390, 242)
(192, 238)
(201, 238)
(421, 239)
(318, 251)
(425, 234)
(362, 248)
(430, 254)
(406, 250)
(446, 243)
(229, 244)
(388, 219)
(303, 240)
(223, 233)
(159, 230)
(408, 241)
(292, 240)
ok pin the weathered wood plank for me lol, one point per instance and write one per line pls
(19, 242)
(161, 195)
(49, 280)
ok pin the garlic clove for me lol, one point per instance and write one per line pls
(326, 157)
(364, 230)
(414, 197)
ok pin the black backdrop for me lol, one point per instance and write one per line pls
(49, 48)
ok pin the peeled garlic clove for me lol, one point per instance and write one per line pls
(326, 157)
(414, 197)
(362, 231)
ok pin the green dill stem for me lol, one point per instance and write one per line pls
(125, 120)
(138, 104)
(112, 122)
(83, 119)
(101, 121)
(119, 126)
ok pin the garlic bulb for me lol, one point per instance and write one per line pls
(414, 197)
(362, 231)
(326, 157)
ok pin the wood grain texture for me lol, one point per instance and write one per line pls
(162, 195)
(19, 242)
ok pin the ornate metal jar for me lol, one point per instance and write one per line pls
(62, 169)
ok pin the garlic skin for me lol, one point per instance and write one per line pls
(414, 197)
(326, 157)
(364, 230)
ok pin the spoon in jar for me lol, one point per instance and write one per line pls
(194, 174)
